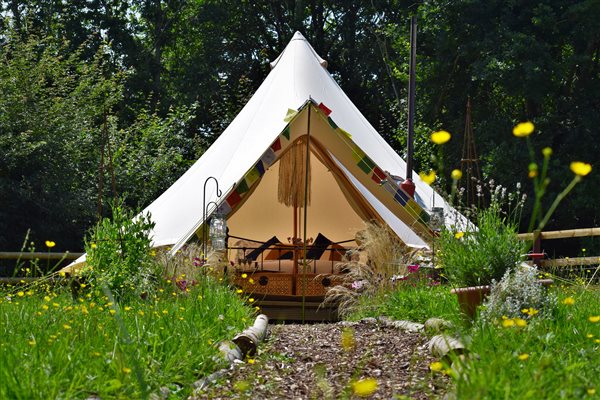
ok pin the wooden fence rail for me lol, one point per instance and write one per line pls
(17, 255)
(30, 256)
(562, 234)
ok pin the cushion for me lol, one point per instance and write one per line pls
(318, 247)
(254, 254)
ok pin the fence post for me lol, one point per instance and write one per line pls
(537, 247)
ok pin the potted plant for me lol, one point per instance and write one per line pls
(474, 257)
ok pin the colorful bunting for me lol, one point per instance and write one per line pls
(424, 216)
(286, 132)
(366, 164)
(401, 197)
(252, 176)
(290, 115)
(276, 146)
(378, 175)
(349, 136)
(225, 208)
(233, 199)
(331, 123)
(260, 167)
(413, 207)
(268, 158)
(357, 154)
(242, 187)
(324, 108)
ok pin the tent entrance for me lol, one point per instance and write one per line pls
(263, 219)
(330, 213)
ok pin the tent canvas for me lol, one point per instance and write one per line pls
(341, 171)
(298, 82)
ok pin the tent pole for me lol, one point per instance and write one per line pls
(294, 237)
(305, 210)
(408, 184)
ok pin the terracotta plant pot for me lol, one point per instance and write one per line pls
(469, 298)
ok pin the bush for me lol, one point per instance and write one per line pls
(482, 254)
(518, 290)
(119, 256)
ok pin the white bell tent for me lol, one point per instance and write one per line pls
(299, 106)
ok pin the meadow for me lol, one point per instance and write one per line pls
(529, 357)
(55, 345)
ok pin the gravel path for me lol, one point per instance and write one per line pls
(321, 361)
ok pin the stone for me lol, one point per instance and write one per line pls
(402, 325)
(436, 325)
(441, 346)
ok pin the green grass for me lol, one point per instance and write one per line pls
(414, 303)
(52, 346)
(560, 356)
(552, 358)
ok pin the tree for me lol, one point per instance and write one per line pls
(52, 110)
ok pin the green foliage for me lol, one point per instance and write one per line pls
(517, 61)
(58, 121)
(52, 347)
(518, 289)
(417, 304)
(119, 256)
(152, 153)
(548, 358)
(484, 253)
(52, 108)
(531, 358)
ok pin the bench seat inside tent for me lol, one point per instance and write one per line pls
(322, 256)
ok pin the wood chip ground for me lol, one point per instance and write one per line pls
(302, 361)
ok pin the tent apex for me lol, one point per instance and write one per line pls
(298, 36)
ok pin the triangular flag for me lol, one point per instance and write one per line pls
(252, 176)
(324, 108)
(349, 136)
(268, 157)
(290, 115)
(276, 146)
(224, 208)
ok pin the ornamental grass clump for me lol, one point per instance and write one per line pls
(380, 258)
(516, 295)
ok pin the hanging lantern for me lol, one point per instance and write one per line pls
(218, 231)
(436, 221)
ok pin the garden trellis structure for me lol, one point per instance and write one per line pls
(299, 115)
